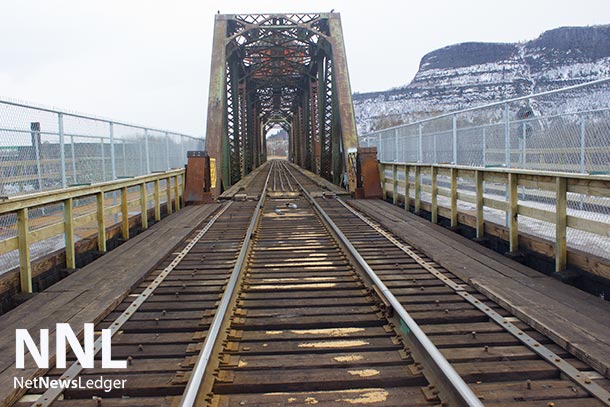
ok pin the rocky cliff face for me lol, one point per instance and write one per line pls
(471, 74)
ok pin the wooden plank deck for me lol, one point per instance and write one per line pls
(91, 293)
(575, 320)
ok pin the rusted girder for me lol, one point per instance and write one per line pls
(288, 70)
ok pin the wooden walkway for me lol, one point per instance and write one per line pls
(91, 293)
(575, 320)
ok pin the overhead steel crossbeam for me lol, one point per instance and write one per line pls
(286, 70)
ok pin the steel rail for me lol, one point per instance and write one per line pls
(48, 397)
(451, 384)
(580, 377)
(195, 381)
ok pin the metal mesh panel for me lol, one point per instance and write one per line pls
(43, 149)
(564, 130)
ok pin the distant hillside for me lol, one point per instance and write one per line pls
(474, 73)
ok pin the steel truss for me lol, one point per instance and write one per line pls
(285, 70)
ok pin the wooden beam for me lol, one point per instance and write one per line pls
(168, 191)
(417, 189)
(394, 184)
(101, 222)
(406, 188)
(176, 193)
(479, 202)
(454, 211)
(383, 180)
(157, 201)
(69, 233)
(25, 265)
(143, 206)
(434, 192)
(560, 225)
(124, 214)
(513, 211)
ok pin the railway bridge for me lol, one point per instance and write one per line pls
(326, 278)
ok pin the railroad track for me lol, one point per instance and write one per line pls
(295, 300)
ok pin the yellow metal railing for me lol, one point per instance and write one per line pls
(466, 184)
(74, 217)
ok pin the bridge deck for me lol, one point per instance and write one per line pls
(92, 292)
(292, 244)
(575, 320)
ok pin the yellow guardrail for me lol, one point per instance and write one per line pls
(25, 236)
(552, 185)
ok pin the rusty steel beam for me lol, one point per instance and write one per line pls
(283, 70)
(215, 142)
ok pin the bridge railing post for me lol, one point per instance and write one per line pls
(454, 194)
(513, 210)
(69, 233)
(560, 224)
(480, 221)
(143, 205)
(382, 177)
(417, 189)
(168, 191)
(407, 167)
(124, 214)
(434, 193)
(23, 235)
(101, 222)
(394, 184)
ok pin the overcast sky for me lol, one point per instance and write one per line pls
(148, 61)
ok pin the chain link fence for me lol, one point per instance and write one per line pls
(42, 149)
(564, 130)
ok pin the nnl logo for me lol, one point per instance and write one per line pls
(63, 333)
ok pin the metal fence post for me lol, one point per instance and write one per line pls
(124, 158)
(103, 159)
(182, 157)
(62, 152)
(506, 156)
(435, 157)
(484, 145)
(420, 151)
(506, 137)
(35, 129)
(454, 138)
(379, 152)
(396, 145)
(147, 151)
(167, 150)
(582, 144)
(112, 152)
(73, 151)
